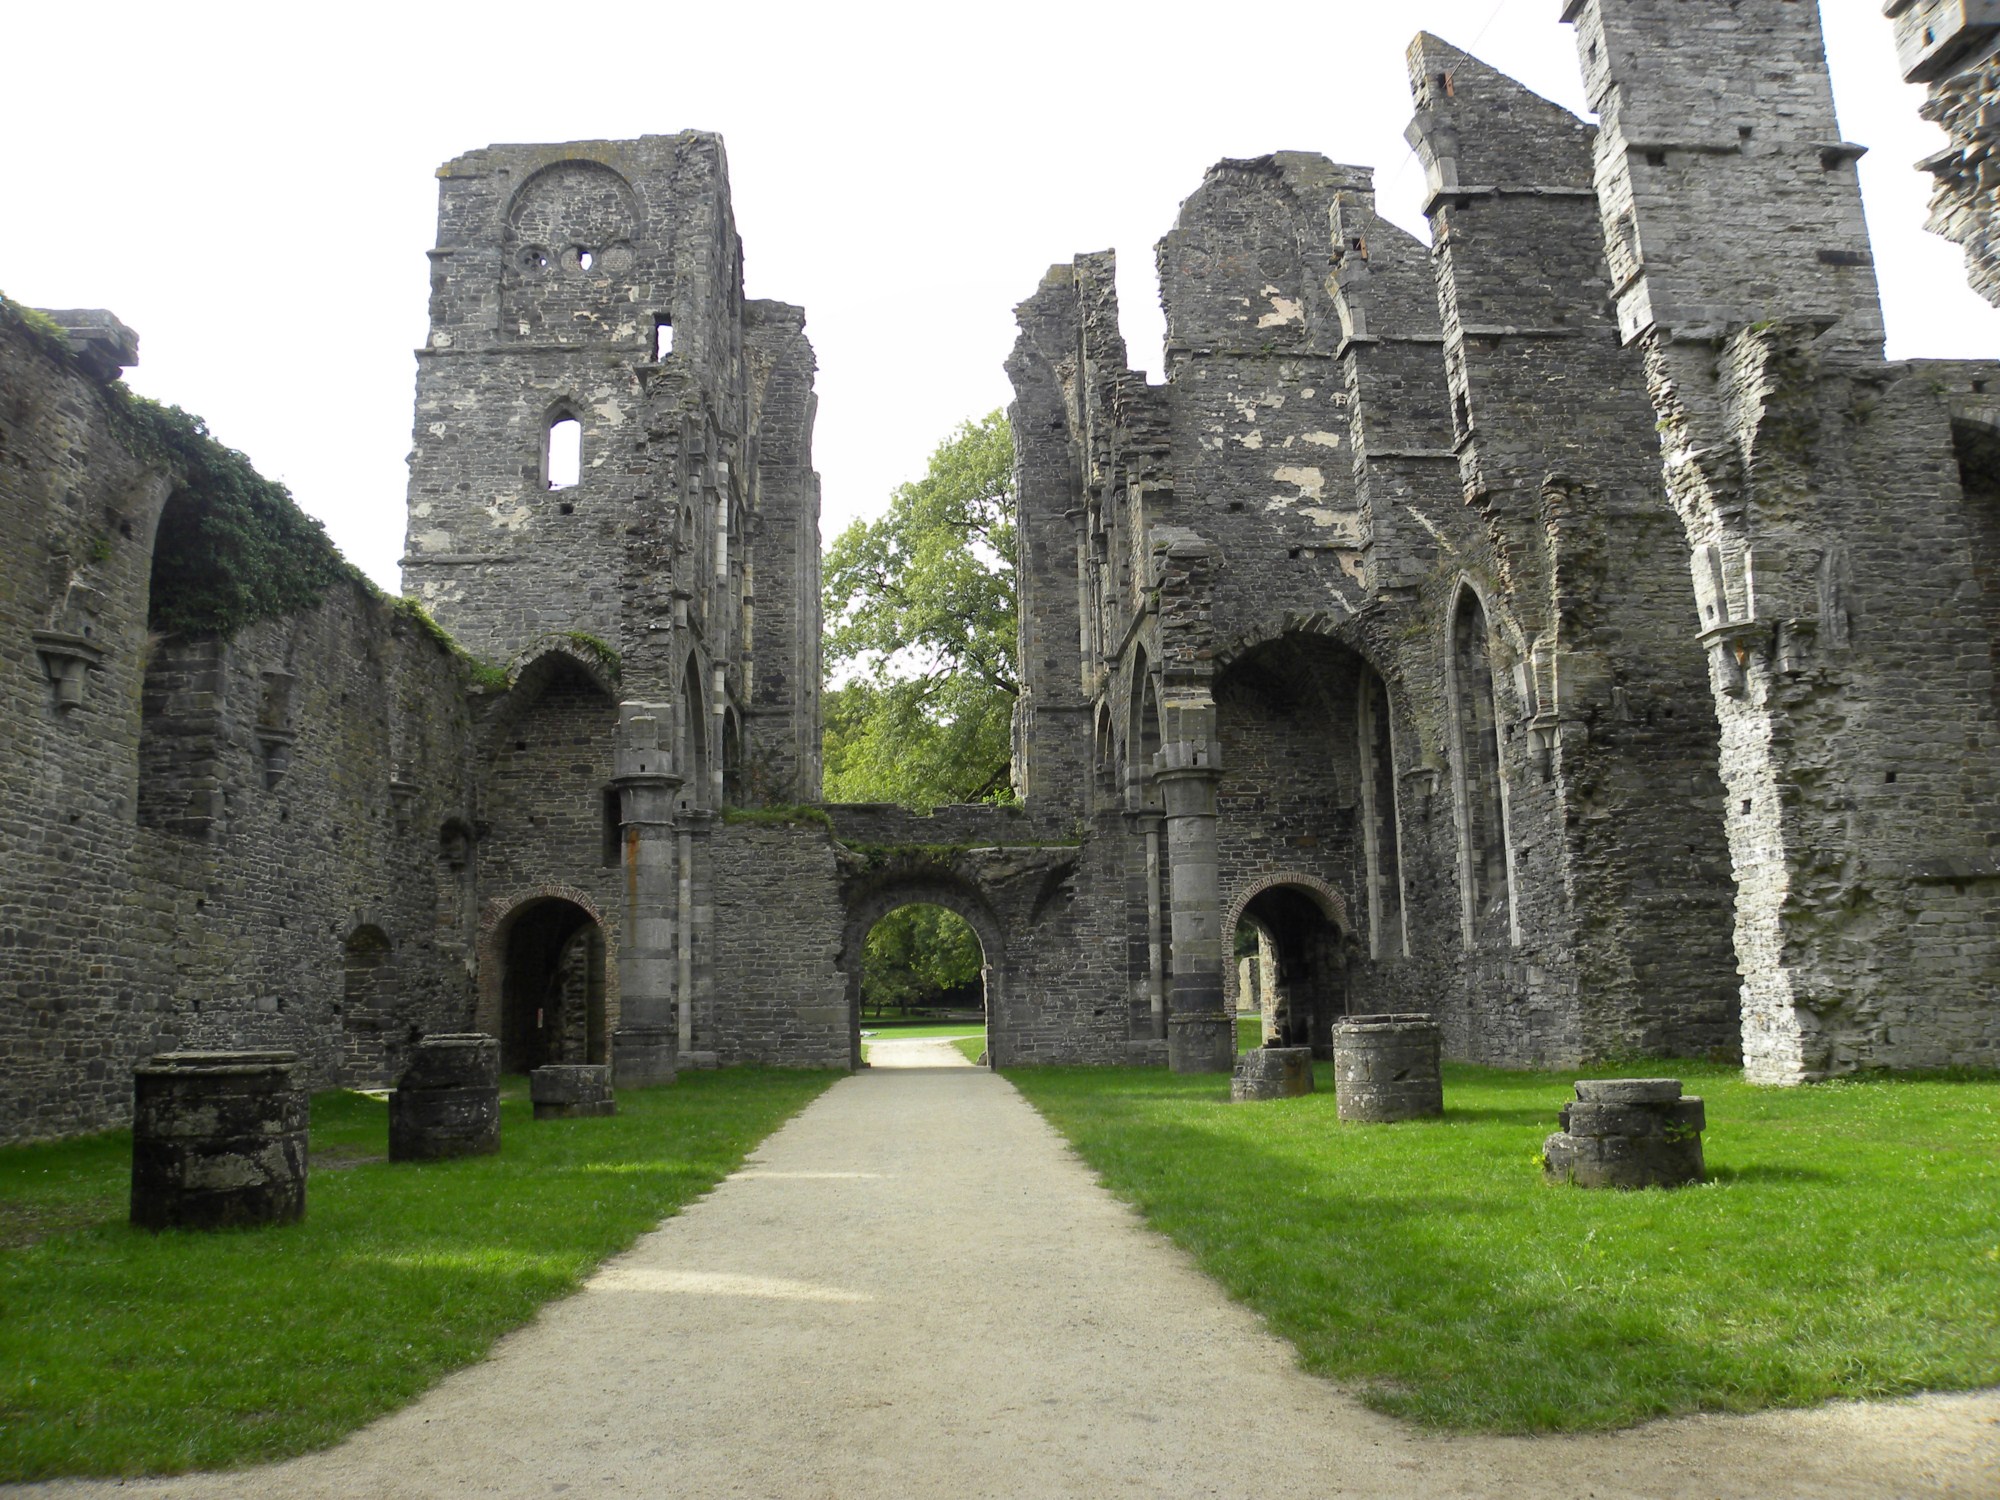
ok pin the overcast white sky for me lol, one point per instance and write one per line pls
(250, 187)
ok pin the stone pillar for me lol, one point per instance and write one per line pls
(1272, 1073)
(569, 1091)
(1385, 1068)
(218, 1139)
(696, 972)
(447, 1103)
(1156, 948)
(684, 942)
(645, 1047)
(1200, 1033)
(1627, 1133)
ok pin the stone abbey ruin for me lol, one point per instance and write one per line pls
(1572, 628)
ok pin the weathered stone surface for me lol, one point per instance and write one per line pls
(454, 1060)
(219, 1139)
(1627, 1133)
(1628, 1090)
(1272, 1073)
(1378, 630)
(448, 1102)
(566, 1091)
(1387, 1068)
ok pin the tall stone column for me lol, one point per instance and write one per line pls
(1156, 967)
(695, 898)
(645, 1046)
(1199, 1030)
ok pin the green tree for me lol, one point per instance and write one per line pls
(916, 954)
(920, 648)
(920, 634)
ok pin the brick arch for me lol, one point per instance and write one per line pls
(1331, 902)
(928, 883)
(575, 196)
(527, 681)
(496, 916)
(1500, 619)
(595, 665)
(1338, 629)
(1332, 906)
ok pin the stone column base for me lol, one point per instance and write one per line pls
(1201, 1043)
(642, 1056)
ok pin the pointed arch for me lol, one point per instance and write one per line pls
(691, 730)
(1104, 757)
(1485, 858)
(732, 757)
(1142, 736)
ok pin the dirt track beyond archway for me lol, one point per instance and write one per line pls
(915, 1290)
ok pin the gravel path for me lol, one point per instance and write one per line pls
(914, 1290)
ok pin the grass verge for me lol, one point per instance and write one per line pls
(1847, 1246)
(974, 1047)
(124, 1352)
(884, 1031)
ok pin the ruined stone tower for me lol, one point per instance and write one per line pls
(611, 492)
(587, 309)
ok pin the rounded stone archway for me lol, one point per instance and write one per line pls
(929, 886)
(1304, 933)
(548, 978)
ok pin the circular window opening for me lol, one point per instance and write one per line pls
(534, 258)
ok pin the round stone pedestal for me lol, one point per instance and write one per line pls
(567, 1091)
(1385, 1068)
(1627, 1133)
(448, 1101)
(1272, 1073)
(218, 1139)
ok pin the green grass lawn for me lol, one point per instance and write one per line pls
(890, 1031)
(1847, 1246)
(125, 1352)
(974, 1047)
(1249, 1033)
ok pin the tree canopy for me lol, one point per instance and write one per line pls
(920, 650)
(920, 634)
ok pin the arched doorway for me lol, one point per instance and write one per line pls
(551, 987)
(1289, 940)
(946, 911)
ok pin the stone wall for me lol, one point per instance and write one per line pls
(1951, 46)
(77, 510)
(1835, 564)
(335, 749)
(192, 848)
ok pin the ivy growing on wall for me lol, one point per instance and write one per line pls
(233, 547)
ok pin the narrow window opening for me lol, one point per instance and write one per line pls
(568, 508)
(585, 260)
(565, 453)
(614, 830)
(663, 339)
(1484, 877)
